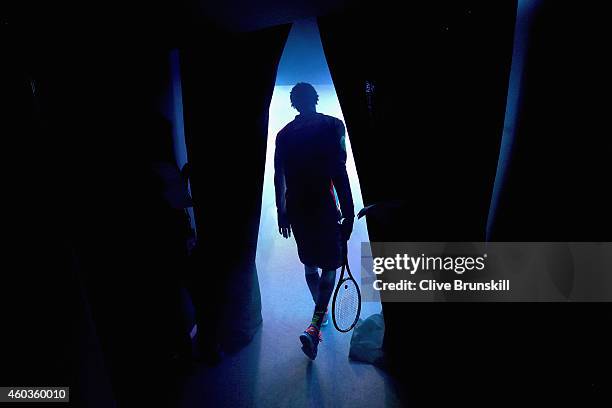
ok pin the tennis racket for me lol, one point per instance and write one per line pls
(346, 303)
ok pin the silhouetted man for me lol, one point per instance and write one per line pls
(309, 170)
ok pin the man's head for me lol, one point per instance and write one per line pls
(304, 98)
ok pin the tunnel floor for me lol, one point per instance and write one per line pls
(272, 371)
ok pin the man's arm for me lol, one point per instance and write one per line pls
(280, 188)
(341, 180)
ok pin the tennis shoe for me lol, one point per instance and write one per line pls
(310, 341)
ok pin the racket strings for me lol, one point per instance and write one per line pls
(347, 305)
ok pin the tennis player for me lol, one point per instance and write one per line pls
(313, 200)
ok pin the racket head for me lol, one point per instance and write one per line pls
(346, 305)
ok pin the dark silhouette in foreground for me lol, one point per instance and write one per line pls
(309, 173)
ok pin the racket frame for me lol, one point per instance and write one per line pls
(341, 280)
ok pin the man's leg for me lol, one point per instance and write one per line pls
(312, 279)
(312, 335)
(326, 287)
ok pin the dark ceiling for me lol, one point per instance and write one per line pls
(161, 16)
(245, 15)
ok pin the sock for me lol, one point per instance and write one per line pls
(317, 319)
(326, 287)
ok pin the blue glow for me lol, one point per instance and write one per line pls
(277, 260)
(525, 10)
(303, 59)
(178, 130)
(175, 115)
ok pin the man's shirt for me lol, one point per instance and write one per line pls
(309, 162)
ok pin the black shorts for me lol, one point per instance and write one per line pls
(318, 241)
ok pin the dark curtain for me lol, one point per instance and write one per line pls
(423, 90)
(103, 100)
(90, 227)
(557, 182)
(228, 80)
(51, 338)
(559, 167)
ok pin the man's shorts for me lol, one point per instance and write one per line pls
(318, 241)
